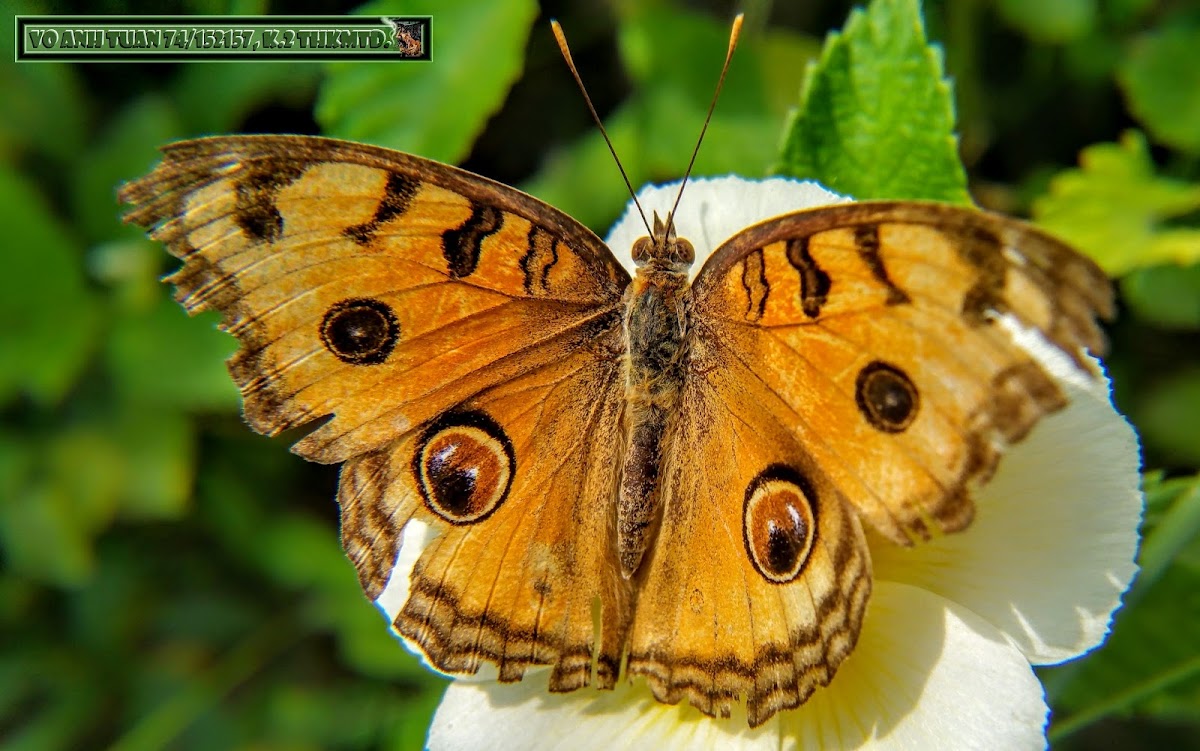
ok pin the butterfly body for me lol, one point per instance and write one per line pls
(656, 331)
(622, 475)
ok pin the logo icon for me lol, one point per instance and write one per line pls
(409, 36)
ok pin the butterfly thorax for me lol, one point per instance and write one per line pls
(656, 327)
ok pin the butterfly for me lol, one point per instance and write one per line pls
(639, 475)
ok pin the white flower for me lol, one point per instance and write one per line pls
(953, 627)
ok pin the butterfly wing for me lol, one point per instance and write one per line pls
(879, 326)
(843, 362)
(444, 328)
(757, 582)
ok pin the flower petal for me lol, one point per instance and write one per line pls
(926, 674)
(1052, 546)
(715, 209)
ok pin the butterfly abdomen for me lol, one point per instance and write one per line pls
(656, 334)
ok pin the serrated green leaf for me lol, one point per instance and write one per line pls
(876, 116)
(1161, 81)
(1057, 21)
(1115, 208)
(436, 111)
(48, 315)
(1166, 296)
(158, 356)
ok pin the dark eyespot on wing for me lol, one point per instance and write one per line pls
(360, 331)
(886, 397)
(464, 465)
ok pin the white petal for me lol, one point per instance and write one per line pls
(714, 209)
(525, 716)
(925, 674)
(1052, 546)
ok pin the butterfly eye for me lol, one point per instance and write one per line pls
(779, 523)
(641, 250)
(464, 467)
(682, 252)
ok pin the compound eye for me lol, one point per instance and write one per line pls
(641, 250)
(682, 251)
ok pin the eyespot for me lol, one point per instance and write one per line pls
(464, 466)
(779, 523)
(886, 397)
(360, 331)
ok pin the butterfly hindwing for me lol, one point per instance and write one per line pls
(759, 577)
(519, 482)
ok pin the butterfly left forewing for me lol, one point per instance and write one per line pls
(878, 325)
(354, 275)
(460, 340)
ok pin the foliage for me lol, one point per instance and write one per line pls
(171, 580)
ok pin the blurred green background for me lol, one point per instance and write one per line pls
(170, 580)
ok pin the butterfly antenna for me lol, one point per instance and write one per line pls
(566, 53)
(733, 40)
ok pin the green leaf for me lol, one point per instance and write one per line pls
(1116, 209)
(1166, 296)
(436, 111)
(126, 149)
(48, 315)
(45, 105)
(158, 356)
(1162, 84)
(1057, 21)
(876, 115)
(1167, 416)
(217, 97)
(158, 448)
(63, 498)
(1152, 659)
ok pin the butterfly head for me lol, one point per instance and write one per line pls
(664, 250)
